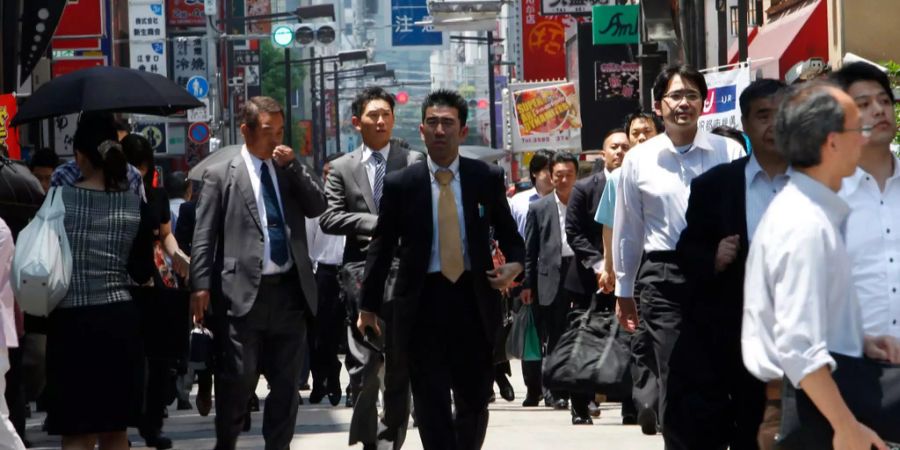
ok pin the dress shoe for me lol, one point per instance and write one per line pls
(493, 397)
(316, 396)
(531, 401)
(184, 405)
(304, 387)
(506, 389)
(582, 420)
(334, 397)
(647, 420)
(157, 440)
(204, 403)
(254, 403)
(561, 403)
(629, 420)
(351, 398)
(594, 409)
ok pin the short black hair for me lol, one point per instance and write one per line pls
(333, 157)
(648, 116)
(540, 160)
(563, 157)
(367, 95)
(123, 125)
(759, 89)
(449, 98)
(862, 71)
(731, 133)
(612, 132)
(808, 113)
(44, 157)
(259, 104)
(686, 73)
(176, 184)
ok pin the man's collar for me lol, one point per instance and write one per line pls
(701, 141)
(753, 170)
(853, 182)
(367, 151)
(434, 167)
(833, 205)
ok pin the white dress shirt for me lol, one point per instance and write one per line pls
(254, 169)
(434, 263)
(518, 206)
(760, 191)
(799, 301)
(652, 197)
(873, 242)
(561, 210)
(174, 208)
(323, 248)
(369, 162)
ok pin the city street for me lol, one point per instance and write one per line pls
(325, 427)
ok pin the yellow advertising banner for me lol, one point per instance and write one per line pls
(546, 117)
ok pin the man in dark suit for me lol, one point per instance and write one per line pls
(354, 189)
(250, 250)
(713, 401)
(437, 217)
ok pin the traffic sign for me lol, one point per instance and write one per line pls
(199, 114)
(198, 86)
(198, 133)
(283, 36)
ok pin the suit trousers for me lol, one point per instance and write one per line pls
(664, 291)
(551, 321)
(270, 337)
(323, 342)
(450, 352)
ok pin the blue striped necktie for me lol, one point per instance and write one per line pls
(278, 249)
(379, 178)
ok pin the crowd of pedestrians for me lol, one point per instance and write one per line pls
(743, 268)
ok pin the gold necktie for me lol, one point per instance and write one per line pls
(448, 228)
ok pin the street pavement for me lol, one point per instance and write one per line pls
(325, 427)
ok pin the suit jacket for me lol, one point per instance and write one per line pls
(184, 228)
(716, 209)
(228, 243)
(351, 207)
(405, 228)
(543, 249)
(584, 234)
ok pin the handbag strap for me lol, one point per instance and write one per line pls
(610, 338)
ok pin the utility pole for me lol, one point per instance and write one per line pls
(491, 88)
(337, 109)
(288, 122)
(742, 30)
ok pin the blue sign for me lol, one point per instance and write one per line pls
(198, 133)
(198, 86)
(405, 32)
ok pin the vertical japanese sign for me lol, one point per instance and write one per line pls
(64, 134)
(404, 31)
(188, 59)
(723, 91)
(8, 135)
(147, 28)
(543, 44)
(617, 79)
(186, 13)
(546, 116)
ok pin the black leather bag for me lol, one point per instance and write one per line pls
(871, 390)
(592, 356)
(165, 321)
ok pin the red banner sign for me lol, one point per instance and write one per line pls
(8, 135)
(186, 13)
(63, 66)
(543, 43)
(81, 18)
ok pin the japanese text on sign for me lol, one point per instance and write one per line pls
(188, 59)
(405, 32)
(147, 45)
(546, 115)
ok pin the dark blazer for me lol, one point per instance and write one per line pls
(351, 207)
(584, 234)
(228, 243)
(405, 228)
(716, 209)
(184, 228)
(543, 249)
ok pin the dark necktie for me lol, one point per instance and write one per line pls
(379, 178)
(277, 237)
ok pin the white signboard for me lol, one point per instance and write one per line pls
(199, 114)
(147, 36)
(63, 133)
(568, 7)
(721, 106)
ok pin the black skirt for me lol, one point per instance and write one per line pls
(95, 369)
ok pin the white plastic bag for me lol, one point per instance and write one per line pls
(42, 265)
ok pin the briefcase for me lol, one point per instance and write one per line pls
(871, 390)
(165, 321)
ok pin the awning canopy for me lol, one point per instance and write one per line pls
(792, 37)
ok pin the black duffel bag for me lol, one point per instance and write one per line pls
(592, 356)
(871, 390)
(165, 321)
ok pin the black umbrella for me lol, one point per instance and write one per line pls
(106, 88)
(20, 194)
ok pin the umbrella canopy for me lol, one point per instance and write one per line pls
(223, 154)
(486, 154)
(20, 194)
(106, 88)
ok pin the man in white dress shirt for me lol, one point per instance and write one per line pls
(873, 193)
(651, 200)
(541, 185)
(799, 302)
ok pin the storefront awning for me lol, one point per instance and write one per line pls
(792, 37)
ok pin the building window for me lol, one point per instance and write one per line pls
(751, 13)
(734, 20)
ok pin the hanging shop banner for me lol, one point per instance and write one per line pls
(147, 28)
(545, 117)
(543, 44)
(8, 135)
(186, 13)
(721, 105)
(615, 24)
(188, 59)
(64, 134)
(571, 7)
(258, 8)
(404, 31)
(617, 79)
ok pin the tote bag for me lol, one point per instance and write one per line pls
(42, 265)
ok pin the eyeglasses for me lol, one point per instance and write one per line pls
(678, 96)
(865, 131)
